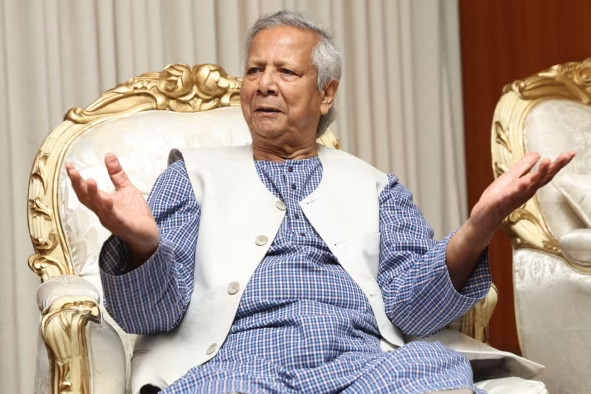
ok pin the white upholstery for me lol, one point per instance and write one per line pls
(512, 386)
(576, 188)
(554, 324)
(142, 141)
(552, 127)
(576, 246)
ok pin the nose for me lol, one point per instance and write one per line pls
(267, 83)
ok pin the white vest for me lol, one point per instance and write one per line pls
(240, 218)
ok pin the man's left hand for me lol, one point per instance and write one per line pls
(507, 193)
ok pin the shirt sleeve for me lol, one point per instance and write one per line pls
(418, 293)
(154, 297)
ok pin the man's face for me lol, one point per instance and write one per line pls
(280, 101)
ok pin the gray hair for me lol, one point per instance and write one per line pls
(325, 56)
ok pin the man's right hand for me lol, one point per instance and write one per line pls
(124, 212)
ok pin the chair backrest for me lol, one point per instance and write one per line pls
(549, 112)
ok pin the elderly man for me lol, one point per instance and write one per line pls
(287, 267)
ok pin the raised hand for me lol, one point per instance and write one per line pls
(124, 212)
(512, 189)
(499, 199)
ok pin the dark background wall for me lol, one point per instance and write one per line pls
(501, 41)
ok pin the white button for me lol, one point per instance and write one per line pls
(261, 240)
(211, 348)
(233, 287)
(280, 205)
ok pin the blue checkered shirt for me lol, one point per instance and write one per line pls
(303, 324)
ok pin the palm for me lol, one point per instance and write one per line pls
(514, 188)
(124, 212)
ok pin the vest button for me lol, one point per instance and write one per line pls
(261, 240)
(211, 348)
(280, 205)
(233, 288)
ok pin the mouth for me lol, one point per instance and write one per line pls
(268, 110)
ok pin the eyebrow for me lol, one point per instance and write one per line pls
(277, 63)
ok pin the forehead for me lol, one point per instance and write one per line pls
(283, 41)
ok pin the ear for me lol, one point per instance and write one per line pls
(328, 96)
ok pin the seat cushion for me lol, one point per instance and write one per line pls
(512, 386)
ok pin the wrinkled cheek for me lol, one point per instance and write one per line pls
(245, 111)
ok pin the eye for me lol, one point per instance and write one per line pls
(253, 70)
(286, 71)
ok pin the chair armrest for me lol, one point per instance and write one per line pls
(68, 303)
(576, 246)
(57, 287)
(474, 323)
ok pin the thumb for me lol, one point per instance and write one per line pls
(116, 173)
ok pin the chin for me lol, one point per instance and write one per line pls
(267, 133)
(266, 129)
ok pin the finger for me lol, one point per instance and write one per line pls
(116, 173)
(98, 199)
(87, 191)
(92, 188)
(564, 158)
(543, 173)
(89, 194)
(558, 164)
(526, 163)
(78, 183)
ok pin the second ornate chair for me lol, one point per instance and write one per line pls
(550, 112)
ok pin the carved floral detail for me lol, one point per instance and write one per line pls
(45, 245)
(39, 171)
(177, 88)
(499, 169)
(37, 208)
(521, 214)
(502, 136)
(582, 75)
(46, 266)
(569, 80)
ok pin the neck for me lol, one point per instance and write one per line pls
(282, 153)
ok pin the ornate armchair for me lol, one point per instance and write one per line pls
(550, 112)
(82, 349)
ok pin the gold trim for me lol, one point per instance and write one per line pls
(329, 139)
(475, 322)
(63, 328)
(571, 81)
(178, 88)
